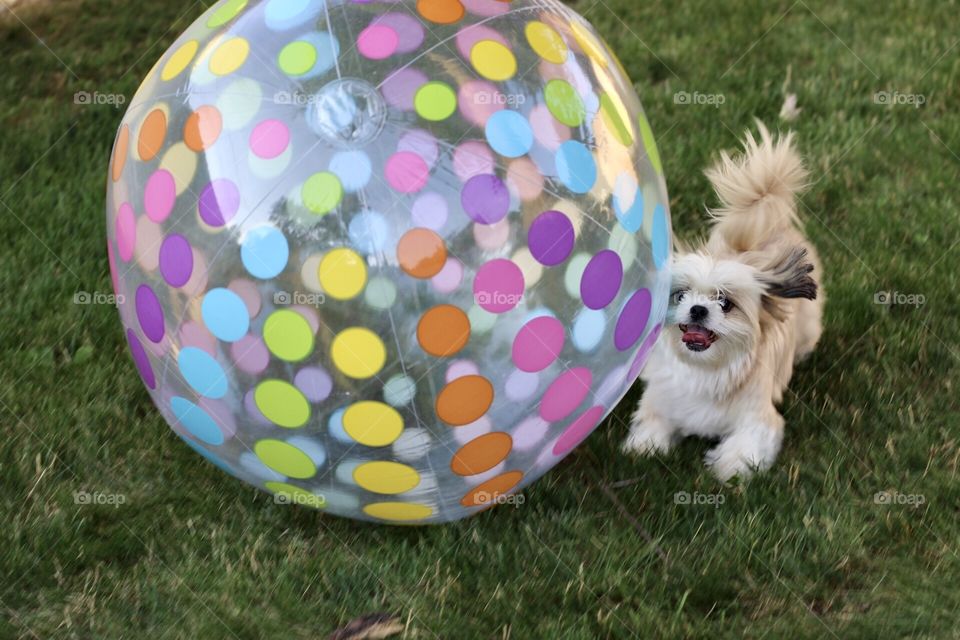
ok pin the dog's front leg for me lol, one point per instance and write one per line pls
(752, 446)
(650, 432)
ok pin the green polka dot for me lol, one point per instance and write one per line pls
(288, 335)
(481, 320)
(226, 13)
(285, 459)
(282, 403)
(649, 143)
(435, 101)
(322, 192)
(574, 272)
(291, 494)
(611, 116)
(399, 390)
(380, 293)
(297, 58)
(564, 103)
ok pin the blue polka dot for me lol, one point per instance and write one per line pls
(328, 50)
(197, 421)
(335, 425)
(588, 328)
(509, 133)
(368, 232)
(225, 314)
(630, 216)
(253, 465)
(576, 167)
(264, 251)
(311, 447)
(202, 372)
(660, 237)
(286, 14)
(353, 168)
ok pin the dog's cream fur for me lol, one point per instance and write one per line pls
(721, 375)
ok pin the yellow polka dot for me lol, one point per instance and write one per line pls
(226, 13)
(588, 43)
(358, 352)
(229, 56)
(181, 162)
(398, 511)
(179, 60)
(309, 273)
(282, 403)
(342, 273)
(372, 423)
(493, 61)
(386, 477)
(546, 42)
(288, 335)
(285, 459)
(290, 494)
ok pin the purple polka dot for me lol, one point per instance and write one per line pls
(578, 430)
(538, 344)
(219, 202)
(176, 260)
(314, 383)
(149, 313)
(141, 360)
(159, 195)
(633, 320)
(485, 198)
(565, 394)
(498, 286)
(551, 238)
(269, 139)
(601, 279)
(409, 30)
(643, 353)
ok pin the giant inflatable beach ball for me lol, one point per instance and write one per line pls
(393, 260)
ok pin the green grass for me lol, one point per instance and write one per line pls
(801, 552)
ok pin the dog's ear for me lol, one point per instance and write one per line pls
(787, 276)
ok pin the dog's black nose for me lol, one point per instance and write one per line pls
(698, 312)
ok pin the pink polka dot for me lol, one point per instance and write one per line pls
(126, 230)
(498, 286)
(546, 129)
(565, 394)
(194, 334)
(472, 158)
(524, 179)
(249, 293)
(159, 195)
(578, 430)
(149, 237)
(450, 276)
(538, 344)
(478, 100)
(269, 139)
(472, 34)
(250, 354)
(377, 42)
(491, 237)
(406, 172)
(459, 369)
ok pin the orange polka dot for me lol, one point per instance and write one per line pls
(464, 400)
(202, 128)
(120, 150)
(152, 132)
(481, 454)
(486, 494)
(443, 330)
(421, 253)
(441, 11)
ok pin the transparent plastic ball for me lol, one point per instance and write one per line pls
(393, 260)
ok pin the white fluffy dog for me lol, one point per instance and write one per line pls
(743, 309)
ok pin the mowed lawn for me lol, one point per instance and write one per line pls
(853, 534)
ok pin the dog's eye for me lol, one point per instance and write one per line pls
(677, 296)
(726, 304)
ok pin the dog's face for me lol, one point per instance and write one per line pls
(716, 304)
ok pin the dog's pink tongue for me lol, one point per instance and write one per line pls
(697, 335)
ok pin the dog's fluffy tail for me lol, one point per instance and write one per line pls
(757, 190)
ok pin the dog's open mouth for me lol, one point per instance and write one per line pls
(696, 337)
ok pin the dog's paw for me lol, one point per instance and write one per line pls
(649, 437)
(744, 453)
